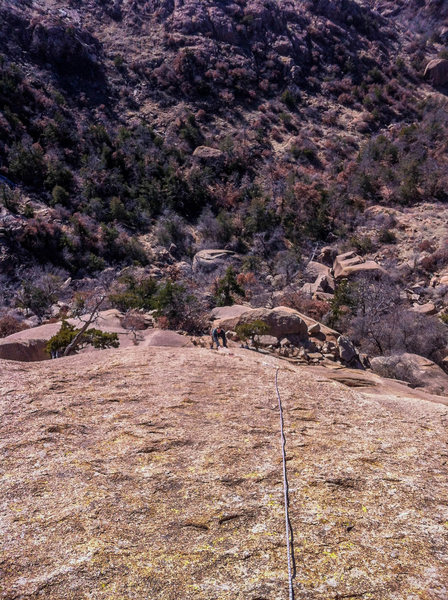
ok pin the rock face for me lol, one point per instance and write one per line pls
(69, 50)
(437, 71)
(29, 345)
(425, 309)
(416, 370)
(156, 473)
(208, 155)
(209, 260)
(349, 264)
(347, 350)
(23, 350)
(281, 321)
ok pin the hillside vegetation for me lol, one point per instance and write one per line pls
(138, 133)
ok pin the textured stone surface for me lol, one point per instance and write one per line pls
(437, 71)
(281, 321)
(417, 370)
(156, 473)
(349, 264)
(209, 260)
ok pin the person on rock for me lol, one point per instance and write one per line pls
(218, 332)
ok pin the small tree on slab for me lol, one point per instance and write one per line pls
(252, 331)
(76, 339)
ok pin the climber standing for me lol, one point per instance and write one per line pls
(218, 332)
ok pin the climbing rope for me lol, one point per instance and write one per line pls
(289, 532)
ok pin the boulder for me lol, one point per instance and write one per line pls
(425, 309)
(315, 269)
(69, 49)
(209, 260)
(267, 340)
(313, 329)
(208, 155)
(347, 350)
(281, 321)
(437, 71)
(29, 344)
(23, 350)
(349, 264)
(165, 338)
(230, 314)
(416, 370)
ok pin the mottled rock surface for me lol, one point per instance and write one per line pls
(437, 71)
(281, 321)
(136, 474)
(415, 369)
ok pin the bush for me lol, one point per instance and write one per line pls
(135, 295)
(177, 308)
(252, 331)
(226, 287)
(387, 236)
(60, 196)
(101, 340)
(10, 325)
(362, 244)
(316, 309)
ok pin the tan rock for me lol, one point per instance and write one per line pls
(349, 264)
(281, 321)
(437, 71)
(207, 154)
(313, 329)
(416, 370)
(425, 309)
(209, 260)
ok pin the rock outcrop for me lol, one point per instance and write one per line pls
(29, 345)
(437, 71)
(281, 321)
(416, 370)
(210, 260)
(156, 473)
(350, 263)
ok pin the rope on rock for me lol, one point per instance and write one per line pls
(288, 527)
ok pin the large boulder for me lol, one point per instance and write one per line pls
(209, 260)
(29, 345)
(281, 321)
(229, 314)
(23, 350)
(425, 309)
(207, 155)
(415, 369)
(347, 350)
(437, 71)
(350, 263)
(165, 338)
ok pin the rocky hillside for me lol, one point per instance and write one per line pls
(139, 138)
(156, 472)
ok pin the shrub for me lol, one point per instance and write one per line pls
(101, 340)
(387, 236)
(35, 299)
(10, 325)
(60, 195)
(316, 309)
(26, 164)
(137, 294)
(362, 244)
(225, 287)
(290, 99)
(252, 331)
(177, 308)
